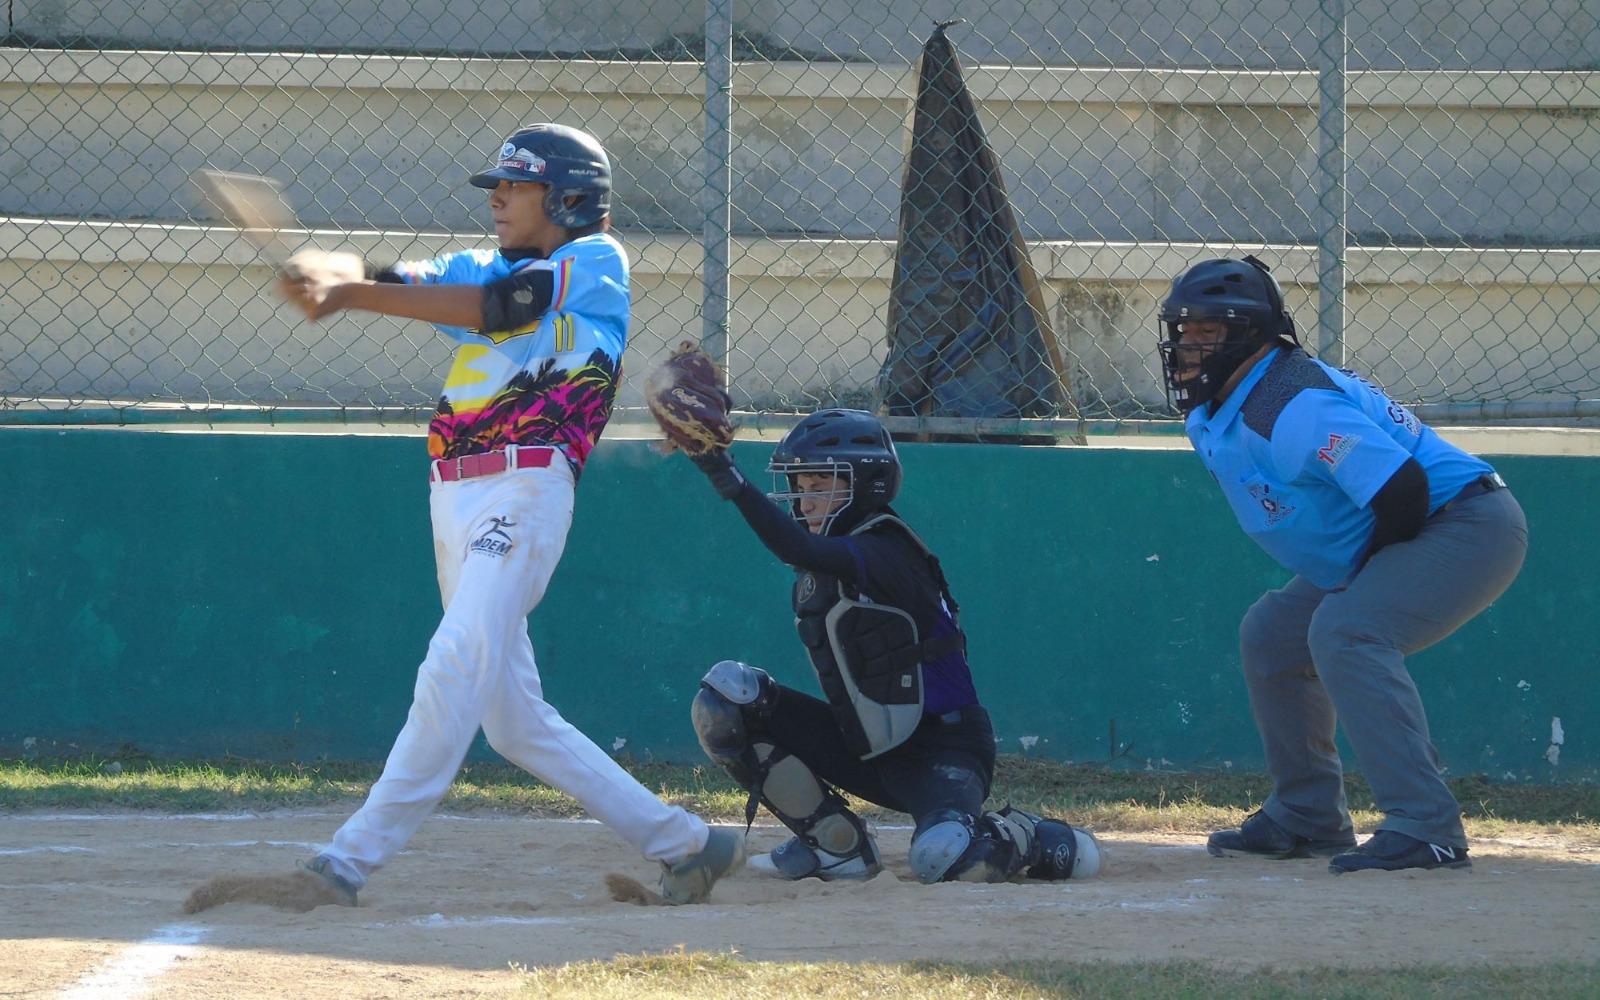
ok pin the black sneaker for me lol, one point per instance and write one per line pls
(1391, 852)
(1260, 836)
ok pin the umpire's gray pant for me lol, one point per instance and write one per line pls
(1314, 657)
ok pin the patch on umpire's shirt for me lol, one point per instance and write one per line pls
(495, 541)
(1338, 448)
(1275, 509)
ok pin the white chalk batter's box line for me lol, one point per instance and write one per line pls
(129, 973)
(267, 817)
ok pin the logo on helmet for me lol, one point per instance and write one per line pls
(521, 159)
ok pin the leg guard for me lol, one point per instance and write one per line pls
(1046, 848)
(950, 846)
(941, 841)
(831, 842)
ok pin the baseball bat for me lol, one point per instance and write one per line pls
(252, 204)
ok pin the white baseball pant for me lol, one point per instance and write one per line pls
(497, 540)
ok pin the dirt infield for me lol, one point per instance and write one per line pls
(90, 905)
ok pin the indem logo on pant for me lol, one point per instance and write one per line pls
(495, 541)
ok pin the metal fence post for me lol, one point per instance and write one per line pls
(716, 195)
(1331, 207)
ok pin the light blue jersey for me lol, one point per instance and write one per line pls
(550, 382)
(1300, 448)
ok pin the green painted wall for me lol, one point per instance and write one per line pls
(271, 595)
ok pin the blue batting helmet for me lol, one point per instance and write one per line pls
(571, 162)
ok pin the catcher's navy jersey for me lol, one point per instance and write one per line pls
(550, 382)
(1300, 448)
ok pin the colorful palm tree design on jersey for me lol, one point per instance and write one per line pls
(567, 408)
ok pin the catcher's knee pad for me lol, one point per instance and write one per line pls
(742, 684)
(732, 696)
(947, 847)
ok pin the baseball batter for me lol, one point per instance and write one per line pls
(540, 326)
(901, 724)
(1396, 539)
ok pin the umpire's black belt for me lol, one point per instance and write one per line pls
(1486, 483)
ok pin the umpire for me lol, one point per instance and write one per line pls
(1396, 539)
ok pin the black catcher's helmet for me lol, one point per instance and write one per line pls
(851, 444)
(570, 161)
(1240, 294)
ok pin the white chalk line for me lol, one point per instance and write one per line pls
(246, 817)
(155, 844)
(438, 921)
(1083, 902)
(130, 972)
(268, 817)
(163, 817)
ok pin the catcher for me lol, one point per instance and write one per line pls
(900, 724)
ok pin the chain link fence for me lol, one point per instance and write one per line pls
(1423, 176)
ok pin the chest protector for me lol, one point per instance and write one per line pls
(868, 657)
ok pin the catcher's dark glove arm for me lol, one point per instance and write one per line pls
(785, 538)
(719, 468)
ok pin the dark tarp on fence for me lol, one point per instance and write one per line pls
(968, 333)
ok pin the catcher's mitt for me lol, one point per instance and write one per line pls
(686, 397)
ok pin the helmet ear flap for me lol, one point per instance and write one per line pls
(1274, 293)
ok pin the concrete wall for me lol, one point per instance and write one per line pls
(266, 594)
(181, 313)
(1262, 34)
(374, 142)
(1121, 178)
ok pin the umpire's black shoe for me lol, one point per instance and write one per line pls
(1391, 852)
(1260, 836)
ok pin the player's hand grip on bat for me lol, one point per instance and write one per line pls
(308, 279)
(686, 398)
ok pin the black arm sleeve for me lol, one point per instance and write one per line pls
(780, 533)
(513, 303)
(1400, 507)
(383, 275)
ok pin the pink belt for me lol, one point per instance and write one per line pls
(489, 463)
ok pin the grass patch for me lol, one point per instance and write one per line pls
(708, 976)
(1105, 798)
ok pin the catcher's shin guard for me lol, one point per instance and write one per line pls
(1046, 848)
(830, 841)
